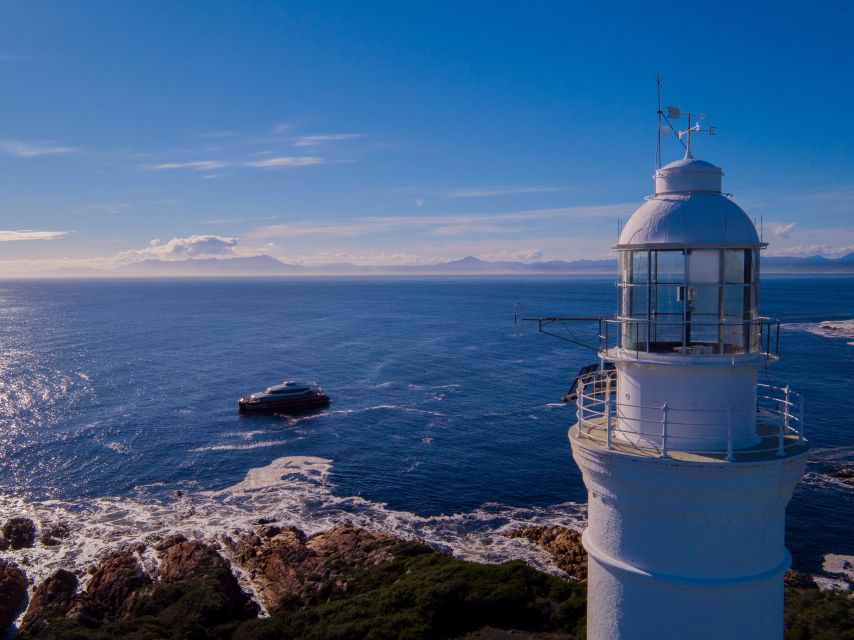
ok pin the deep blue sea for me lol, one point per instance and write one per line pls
(445, 424)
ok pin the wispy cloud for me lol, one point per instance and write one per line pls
(782, 229)
(109, 207)
(237, 220)
(212, 165)
(442, 225)
(193, 165)
(489, 192)
(310, 141)
(284, 161)
(24, 149)
(805, 250)
(25, 234)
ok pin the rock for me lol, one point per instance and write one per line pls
(165, 543)
(19, 533)
(53, 533)
(115, 579)
(53, 598)
(186, 560)
(13, 593)
(562, 543)
(798, 579)
(290, 570)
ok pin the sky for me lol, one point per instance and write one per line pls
(406, 132)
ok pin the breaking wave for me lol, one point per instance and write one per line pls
(293, 490)
(827, 328)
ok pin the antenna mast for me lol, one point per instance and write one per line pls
(658, 144)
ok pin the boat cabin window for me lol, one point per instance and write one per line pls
(689, 300)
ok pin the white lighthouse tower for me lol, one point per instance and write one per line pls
(688, 455)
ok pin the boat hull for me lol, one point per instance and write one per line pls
(283, 405)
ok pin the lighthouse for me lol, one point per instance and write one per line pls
(689, 454)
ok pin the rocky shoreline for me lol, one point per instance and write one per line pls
(274, 581)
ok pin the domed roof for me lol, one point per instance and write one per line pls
(688, 208)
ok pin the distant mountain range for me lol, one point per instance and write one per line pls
(269, 266)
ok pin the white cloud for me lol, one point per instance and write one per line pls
(109, 207)
(212, 165)
(310, 141)
(378, 259)
(488, 192)
(805, 250)
(782, 230)
(525, 255)
(17, 236)
(285, 161)
(24, 149)
(199, 246)
(194, 165)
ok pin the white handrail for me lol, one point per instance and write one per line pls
(596, 404)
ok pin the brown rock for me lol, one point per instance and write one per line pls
(53, 533)
(165, 543)
(187, 559)
(793, 578)
(562, 543)
(13, 593)
(19, 533)
(115, 579)
(290, 570)
(53, 598)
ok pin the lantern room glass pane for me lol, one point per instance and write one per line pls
(640, 301)
(703, 267)
(625, 266)
(737, 266)
(640, 266)
(668, 301)
(669, 266)
(704, 300)
(737, 303)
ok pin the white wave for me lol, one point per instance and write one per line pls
(241, 447)
(290, 490)
(826, 328)
(838, 573)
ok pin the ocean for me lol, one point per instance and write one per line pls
(118, 409)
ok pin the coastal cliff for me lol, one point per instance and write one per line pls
(347, 582)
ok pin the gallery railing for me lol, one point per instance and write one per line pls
(602, 418)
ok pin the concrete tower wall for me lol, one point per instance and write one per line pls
(703, 401)
(685, 549)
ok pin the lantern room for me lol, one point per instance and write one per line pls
(689, 268)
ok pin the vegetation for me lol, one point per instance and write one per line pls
(420, 594)
(819, 615)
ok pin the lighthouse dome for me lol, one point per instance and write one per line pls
(688, 209)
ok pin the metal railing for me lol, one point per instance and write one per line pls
(601, 418)
(653, 335)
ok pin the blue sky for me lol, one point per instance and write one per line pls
(390, 133)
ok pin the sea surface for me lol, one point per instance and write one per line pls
(118, 408)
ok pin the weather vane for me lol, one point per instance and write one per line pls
(675, 113)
